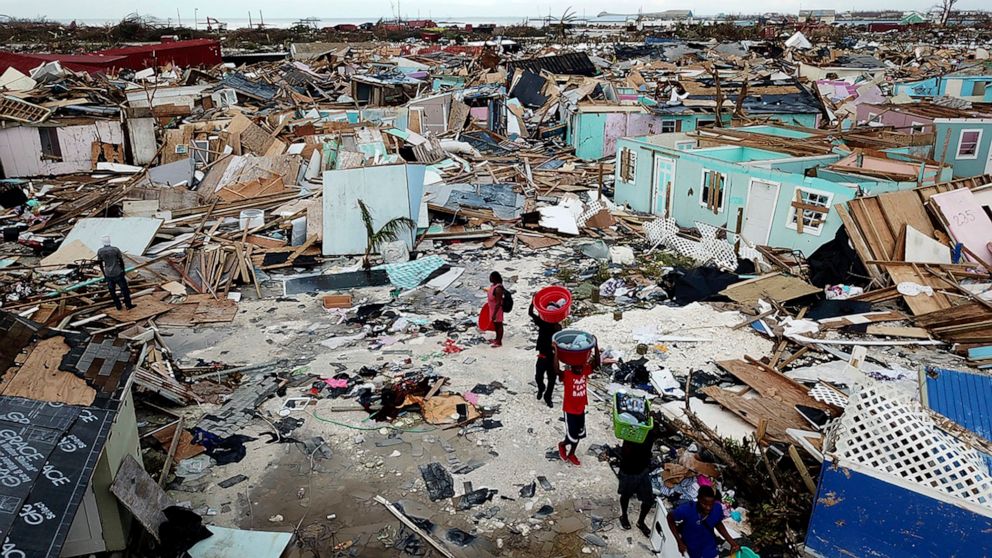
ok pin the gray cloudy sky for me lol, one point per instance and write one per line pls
(371, 9)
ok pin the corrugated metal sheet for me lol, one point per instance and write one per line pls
(964, 397)
(858, 513)
(572, 63)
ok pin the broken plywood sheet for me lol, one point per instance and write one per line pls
(771, 384)
(131, 235)
(141, 495)
(966, 221)
(774, 286)
(443, 408)
(537, 242)
(145, 307)
(67, 254)
(252, 189)
(185, 448)
(238, 169)
(40, 379)
(778, 416)
(251, 138)
(200, 309)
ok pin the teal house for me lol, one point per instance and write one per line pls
(969, 144)
(779, 199)
(593, 128)
(971, 84)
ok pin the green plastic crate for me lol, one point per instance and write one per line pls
(636, 433)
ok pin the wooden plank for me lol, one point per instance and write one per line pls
(413, 527)
(911, 273)
(141, 495)
(860, 244)
(899, 331)
(803, 471)
(864, 318)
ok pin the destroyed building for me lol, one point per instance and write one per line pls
(781, 248)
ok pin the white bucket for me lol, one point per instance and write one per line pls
(251, 218)
(299, 235)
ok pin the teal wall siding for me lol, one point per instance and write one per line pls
(638, 193)
(589, 135)
(962, 167)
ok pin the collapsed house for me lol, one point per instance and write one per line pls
(758, 181)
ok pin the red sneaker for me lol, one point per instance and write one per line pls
(561, 451)
(574, 460)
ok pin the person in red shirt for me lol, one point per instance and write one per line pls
(574, 383)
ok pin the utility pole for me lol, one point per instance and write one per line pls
(195, 17)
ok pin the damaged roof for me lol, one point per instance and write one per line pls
(571, 63)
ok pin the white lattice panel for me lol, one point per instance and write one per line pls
(828, 395)
(593, 208)
(706, 231)
(888, 431)
(660, 229)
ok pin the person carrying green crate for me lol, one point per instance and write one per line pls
(574, 390)
(634, 479)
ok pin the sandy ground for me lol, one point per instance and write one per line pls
(280, 494)
(329, 501)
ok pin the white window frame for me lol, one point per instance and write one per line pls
(978, 144)
(723, 191)
(814, 230)
(670, 123)
(975, 84)
(914, 125)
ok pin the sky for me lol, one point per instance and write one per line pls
(373, 9)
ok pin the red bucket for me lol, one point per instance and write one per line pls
(573, 356)
(549, 295)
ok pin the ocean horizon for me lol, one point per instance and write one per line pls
(287, 22)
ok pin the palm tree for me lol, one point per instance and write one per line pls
(387, 233)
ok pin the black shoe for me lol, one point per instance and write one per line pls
(540, 393)
(548, 403)
(131, 306)
(625, 523)
(644, 528)
(118, 307)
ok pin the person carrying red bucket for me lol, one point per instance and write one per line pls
(549, 307)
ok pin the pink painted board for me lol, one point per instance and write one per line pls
(966, 221)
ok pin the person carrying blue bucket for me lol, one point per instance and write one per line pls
(579, 352)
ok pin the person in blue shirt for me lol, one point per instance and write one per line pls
(693, 523)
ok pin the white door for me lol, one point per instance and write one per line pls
(760, 211)
(664, 175)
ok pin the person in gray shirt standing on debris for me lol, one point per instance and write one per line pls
(112, 263)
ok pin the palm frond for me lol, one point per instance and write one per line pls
(391, 230)
(367, 219)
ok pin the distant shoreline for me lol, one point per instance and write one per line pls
(285, 22)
